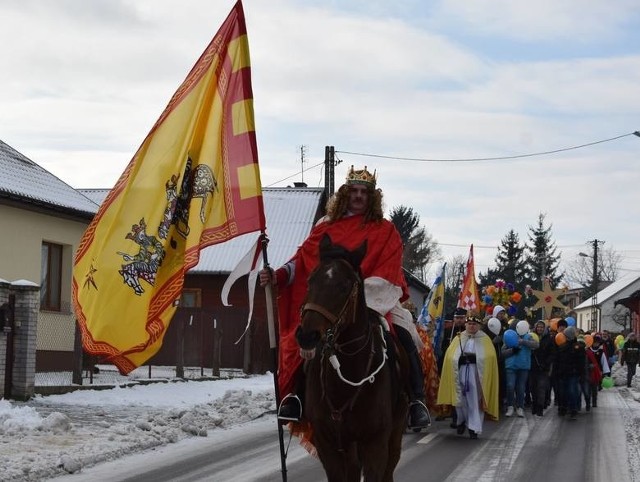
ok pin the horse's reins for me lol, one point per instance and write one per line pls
(332, 348)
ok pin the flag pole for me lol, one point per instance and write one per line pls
(273, 345)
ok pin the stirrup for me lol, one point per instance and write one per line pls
(293, 402)
(417, 428)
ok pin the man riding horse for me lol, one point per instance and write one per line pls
(354, 214)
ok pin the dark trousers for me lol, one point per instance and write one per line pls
(416, 377)
(631, 371)
(568, 393)
(540, 383)
(590, 392)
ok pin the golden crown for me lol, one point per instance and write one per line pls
(361, 176)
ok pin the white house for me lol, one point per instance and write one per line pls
(601, 313)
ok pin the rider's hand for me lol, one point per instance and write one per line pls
(266, 276)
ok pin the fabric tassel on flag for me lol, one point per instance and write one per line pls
(194, 182)
(469, 298)
(432, 313)
(250, 264)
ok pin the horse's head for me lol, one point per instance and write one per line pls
(332, 294)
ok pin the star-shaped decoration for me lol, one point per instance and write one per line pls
(548, 298)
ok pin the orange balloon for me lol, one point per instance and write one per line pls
(553, 324)
(560, 339)
(588, 340)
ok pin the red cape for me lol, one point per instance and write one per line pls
(383, 259)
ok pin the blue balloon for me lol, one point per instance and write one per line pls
(510, 338)
(571, 321)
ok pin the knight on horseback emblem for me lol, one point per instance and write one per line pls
(144, 265)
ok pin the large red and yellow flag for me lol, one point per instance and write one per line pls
(194, 182)
(469, 298)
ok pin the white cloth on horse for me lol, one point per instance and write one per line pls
(384, 297)
(402, 317)
(468, 408)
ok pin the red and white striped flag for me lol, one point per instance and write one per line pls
(469, 298)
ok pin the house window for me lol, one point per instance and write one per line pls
(51, 275)
(190, 298)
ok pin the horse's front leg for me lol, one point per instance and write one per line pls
(374, 456)
(340, 465)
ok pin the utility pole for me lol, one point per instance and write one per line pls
(329, 170)
(595, 321)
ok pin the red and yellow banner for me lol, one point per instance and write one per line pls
(194, 182)
(469, 298)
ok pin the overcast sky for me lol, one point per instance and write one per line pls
(82, 83)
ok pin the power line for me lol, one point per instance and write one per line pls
(294, 175)
(501, 158)
(473, 159)
(496, 246)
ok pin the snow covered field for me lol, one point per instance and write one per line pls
(57, 434)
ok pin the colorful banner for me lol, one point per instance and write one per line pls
(469, 298)
(194, 182)
(432, 313)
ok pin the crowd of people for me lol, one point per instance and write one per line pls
(548, 364)
(488, 365)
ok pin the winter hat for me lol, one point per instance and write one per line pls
(570, 333)
(497, 309)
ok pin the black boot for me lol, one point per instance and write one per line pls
(454, 419)
(419, 417)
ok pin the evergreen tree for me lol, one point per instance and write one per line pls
(510, 260)
(541, 259)
(419, 246)
(489, 277)
(510, 265)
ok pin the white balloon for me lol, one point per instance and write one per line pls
(522, 327)
(494, 326)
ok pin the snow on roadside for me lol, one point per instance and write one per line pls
(630, 397)
(52, 435)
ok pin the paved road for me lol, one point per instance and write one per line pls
(597, 447)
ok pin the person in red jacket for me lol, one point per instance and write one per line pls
(354, 214)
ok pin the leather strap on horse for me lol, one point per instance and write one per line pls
(333, 319)
(336, 415)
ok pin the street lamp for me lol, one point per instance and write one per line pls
(594, 290)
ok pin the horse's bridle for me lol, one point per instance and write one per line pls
(334, 319)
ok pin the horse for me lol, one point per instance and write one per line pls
(355, 385)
